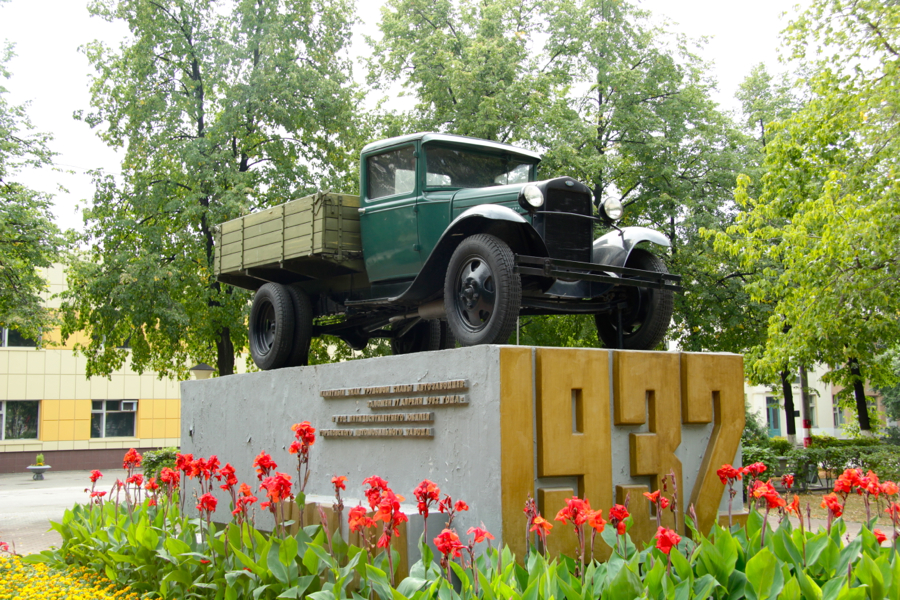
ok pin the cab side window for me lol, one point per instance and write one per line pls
(391, 173)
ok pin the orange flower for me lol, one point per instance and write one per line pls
(480, 534)
(652, 497)
(595, 520)
(575, 510)
(460, 506)
(358, 519)
(540, 523)
(833, 504)
(264, 465)
(338, 481)
(889, 488)
(769, 493)
(132, 459)
(893, 510)
(794, 507)
(666, 539)
(879, 536)
(305, 433)
(756, 469)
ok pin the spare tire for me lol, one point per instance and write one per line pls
(271, 326)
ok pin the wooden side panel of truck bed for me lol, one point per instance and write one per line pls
(296, 236)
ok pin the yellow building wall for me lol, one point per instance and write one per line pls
(56, 377)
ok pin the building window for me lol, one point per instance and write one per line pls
(773, 416)
(19, 419)
(10, 338)
(113, 418)
(837, 411)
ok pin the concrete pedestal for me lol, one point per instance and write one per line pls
(491, 425)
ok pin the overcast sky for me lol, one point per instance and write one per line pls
(51, 73)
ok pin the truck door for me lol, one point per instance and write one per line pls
(387, 221)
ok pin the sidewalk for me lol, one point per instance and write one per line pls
(28, 506)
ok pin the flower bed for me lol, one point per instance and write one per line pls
(23, 581)
(140, 535)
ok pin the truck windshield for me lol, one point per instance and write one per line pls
(456, 168)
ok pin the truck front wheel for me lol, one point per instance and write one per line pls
(482, 292)
(646, 318)
(271, 326)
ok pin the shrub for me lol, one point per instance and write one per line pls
(827, 441)
(780, 446)
(155, 460)
(764, 455)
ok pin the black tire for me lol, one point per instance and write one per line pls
(482, 291)
(424, 336)
(303, 316)
(649, 312)
(271, 326)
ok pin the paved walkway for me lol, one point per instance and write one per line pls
(28, 506)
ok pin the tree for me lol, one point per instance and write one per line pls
(824, 224)
(29, 239)
(470, 65)
(219, 109)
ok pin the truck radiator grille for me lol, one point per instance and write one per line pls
(568, 237)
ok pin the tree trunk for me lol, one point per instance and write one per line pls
(788, 392)
(225, 353)
(859, 392)
(807, 404)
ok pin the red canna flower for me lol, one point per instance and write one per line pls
(132, 459)
(377, 486)
(879, 536)
(151, 486)
(480, 534)
(794, 507)
(183, 462)
(756, 469)
(728, 474)
(576, 510)
(137, 479)
(460, 506)
(769, 493)
(618, 513)
(230, 480)
(889, 488)
(305, 433)
(595, 520)
(207, 503)
(359, 520)
(169, 477)
(339, 481)
(97, 494)
(95, 475)
(833, 504)
(846, 483)
(151, 501)
(893, 510)
(787, 481)
(652, 497)
(666, 539)
(870, 484)
(278, 487)
(264, 465)
(448, 544)
(542, 524)
(426, 494)
(664, 502)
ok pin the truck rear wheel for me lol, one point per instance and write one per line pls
(424, 336)
(303, 315)
(482, 292)
(646, 318)
(271, 326)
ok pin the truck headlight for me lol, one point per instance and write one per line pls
(612, 209)
(531, 197)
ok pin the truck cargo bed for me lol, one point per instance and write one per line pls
(308, 238)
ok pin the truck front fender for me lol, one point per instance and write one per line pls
(499, 221)
(614, 247)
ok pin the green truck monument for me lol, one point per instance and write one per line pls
(450, 240)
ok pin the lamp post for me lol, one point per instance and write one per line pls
(202, 371)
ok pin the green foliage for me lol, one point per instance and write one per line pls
(821, 235)
(760, 454)
(153, 461)
(219, 109)
(780, 446)
(755, 431)
(827, 441)
(833, 460)
(157, 551)
(29, 239)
